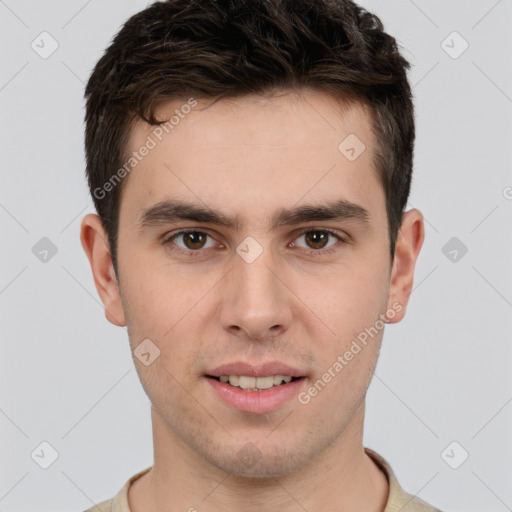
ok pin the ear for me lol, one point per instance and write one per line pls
(95, 243)
(408, 244)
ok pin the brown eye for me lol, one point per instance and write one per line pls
(317, 240)
(194, 239)
(192, 242)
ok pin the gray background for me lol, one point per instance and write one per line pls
(444, 373)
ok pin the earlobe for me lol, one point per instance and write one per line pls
(408, 245)
(95, 244)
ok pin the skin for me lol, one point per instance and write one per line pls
(250, 156)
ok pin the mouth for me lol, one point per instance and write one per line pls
(257, 384)
(256, 389)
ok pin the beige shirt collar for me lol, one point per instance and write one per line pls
(398, 499)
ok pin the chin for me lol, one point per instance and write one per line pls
(251, 461)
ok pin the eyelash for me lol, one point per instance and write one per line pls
(312, 252)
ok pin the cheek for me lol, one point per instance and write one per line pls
(350, 305)
(347, 358)
(349, 299)
(163, 307)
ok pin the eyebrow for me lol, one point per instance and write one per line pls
(173, 210)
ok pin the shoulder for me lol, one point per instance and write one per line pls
(398, 499)
(104, 506)
(412, 504)
(119, 503)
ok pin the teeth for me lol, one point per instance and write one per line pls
(255, 383)
(281, 378)
(246, 382)
(264, 382)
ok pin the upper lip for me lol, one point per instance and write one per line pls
(256, 370)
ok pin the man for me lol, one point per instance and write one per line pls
(250, 163)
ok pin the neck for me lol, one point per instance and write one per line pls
(342, 478)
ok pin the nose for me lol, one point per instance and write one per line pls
(255, 301)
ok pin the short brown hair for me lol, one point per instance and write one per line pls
(226, 48)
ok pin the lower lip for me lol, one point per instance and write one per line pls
(256, 402)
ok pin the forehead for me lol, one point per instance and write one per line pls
(276, 120)
(242, 150)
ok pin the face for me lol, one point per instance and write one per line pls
(285, 272)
